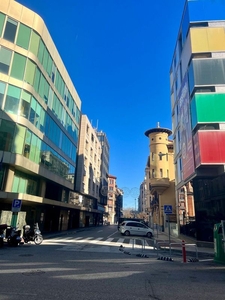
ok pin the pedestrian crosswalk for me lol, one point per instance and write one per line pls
(99, 244)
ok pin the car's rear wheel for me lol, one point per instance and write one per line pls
(127, 233)
(149, 235)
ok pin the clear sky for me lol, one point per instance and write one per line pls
(118, 54)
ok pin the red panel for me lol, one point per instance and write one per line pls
(212, 147)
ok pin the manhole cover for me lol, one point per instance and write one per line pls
(26, 255)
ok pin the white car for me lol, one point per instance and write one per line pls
(135, 228)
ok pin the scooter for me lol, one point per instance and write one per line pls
(13, 235)
(2, 235)
(32, 235)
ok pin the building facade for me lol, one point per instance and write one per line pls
(197, 84)
(88, 173)
(160, 179)
(39, 125)
(104, 169)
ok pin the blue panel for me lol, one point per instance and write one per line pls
(206, 10)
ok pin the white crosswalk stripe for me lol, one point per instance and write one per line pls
(98, 244)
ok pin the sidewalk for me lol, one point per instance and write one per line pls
(191, 244)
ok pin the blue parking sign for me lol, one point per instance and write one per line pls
(16, 205)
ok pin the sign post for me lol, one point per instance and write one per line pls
(16, 207)
(168, 209)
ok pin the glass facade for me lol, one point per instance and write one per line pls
(46, 104)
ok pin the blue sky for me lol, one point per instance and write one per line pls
(118, 54)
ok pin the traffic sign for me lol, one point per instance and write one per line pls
(168, 209)
(16, 205)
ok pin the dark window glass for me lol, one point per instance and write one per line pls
(10, 30)
(7, 129)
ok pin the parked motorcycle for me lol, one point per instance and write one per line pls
(2, 235)
(13, 235)
(32, 235)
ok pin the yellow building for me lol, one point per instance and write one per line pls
(160, 178)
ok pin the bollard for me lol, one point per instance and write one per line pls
(184, 251)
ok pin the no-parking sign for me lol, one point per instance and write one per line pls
(16, 205)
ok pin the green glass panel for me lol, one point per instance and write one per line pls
(2, 92)
(18, 66)
(19, 139)
(34, 43)
(22, 185)
(37, 79)
(23, 37)
(49, 66)
(41, 51)
(5, 58)
(33, 147)
(25, 104)
(32, 117)
(37, 158)
(208, 108)
(15, 185)
(2, 20)
(29, 72)
(12, 99)
(45, 59)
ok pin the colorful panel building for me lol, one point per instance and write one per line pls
(197, 80)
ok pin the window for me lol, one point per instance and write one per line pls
(161, 173)
(25, 104)
(153, 173)
(160, 156)
(2, 92)
(29, 72)
(152, 156)
(5, 59)
(18, 66)
(34, 43)
(12, 99)
(2, 20)
(7, 129)
(10, 30)
(23, 37)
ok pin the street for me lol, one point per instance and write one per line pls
(63, 268)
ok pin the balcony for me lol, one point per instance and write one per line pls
(159, 185)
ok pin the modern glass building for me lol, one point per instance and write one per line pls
(39, 122)
(197, 80)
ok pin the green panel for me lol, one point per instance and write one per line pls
(33, 147)
(23, 38)
(12, 99)
(41, 51)
(29, 72)
(22, 185)
(15, 185)
(34, 43)
(18, 66)
(2, 20)
(19, 139)
(209, 108)
(38, 152)
(2, 92)
(37, 79)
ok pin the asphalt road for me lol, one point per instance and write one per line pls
(51, 271)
